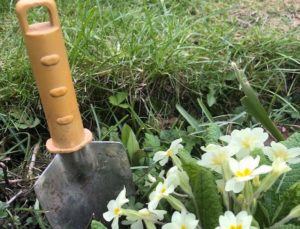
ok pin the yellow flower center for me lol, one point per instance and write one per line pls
(218, 160)
(163, 190)
(169, 153)
(117, 211)
(183, 227)
(239, 226)
(247, 142)
(244, 173)
(281, 154)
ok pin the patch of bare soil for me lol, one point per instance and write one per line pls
(283, 15)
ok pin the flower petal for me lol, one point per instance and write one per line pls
(224, 222)
(153, 203)
(176, 218)
(137, 225)
(175, 143)
(233, 185)
(115, 223)
(262, 170)
(108, 216)
(294, 152)
(164, 161)
(294, 160)
(226, 138)
(233, 164)
(159, 156)
(170, 226)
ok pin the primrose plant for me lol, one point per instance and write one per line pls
(247, 169)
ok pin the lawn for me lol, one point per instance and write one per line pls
(139, 63)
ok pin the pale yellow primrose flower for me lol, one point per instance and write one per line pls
(173, 176)
(148, 217)
(246, 140)
(162, 190)
(183, 220)
(230, 221)
(115, 210)
(180, 178)
(279, 167)
(163, 156)
(278, 150)
(220, 185)
(243, 171)
(153, 179)
(215, 156)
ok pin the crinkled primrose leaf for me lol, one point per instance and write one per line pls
(97, 225)
(292, 141)
(205, 192)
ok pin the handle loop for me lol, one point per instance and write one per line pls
(23, 6)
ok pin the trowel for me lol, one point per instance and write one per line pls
(84, 174)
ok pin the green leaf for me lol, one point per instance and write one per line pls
(205, 110)
(3, 205)
(229, 76)
(283, 195)
(125, 132)
(130, 141)
(213, 133)
(253, 106)
(262, 215)
(193, 122)
(139, 157)
(124, 105)
(263, 159)
(290, 198)
(3, 212)
(132, 145)
(23, 120)
(97, 225)
(289, 226)
(118, 99)
(211, 99)
(208, 202)
(290, 177)
(152, 141)
(292, 141)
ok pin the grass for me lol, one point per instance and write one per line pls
(161, 53)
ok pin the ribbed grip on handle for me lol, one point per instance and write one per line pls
(47, 53)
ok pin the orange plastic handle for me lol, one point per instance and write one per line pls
(49, 61)
(24, 5)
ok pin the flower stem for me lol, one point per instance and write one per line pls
(226, 176)
(248, 194)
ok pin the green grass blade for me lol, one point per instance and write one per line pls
(192, 121)
(205, 110)
(38, 216)
(97, 122)
(254, 107)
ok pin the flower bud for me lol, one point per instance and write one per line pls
(256, 181)
(241, 198)
(295, 212)
(176, 161)
(175, 203)
(279, 167)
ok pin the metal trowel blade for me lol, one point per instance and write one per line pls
(76, 187)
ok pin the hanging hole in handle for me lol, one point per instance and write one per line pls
(38, 15)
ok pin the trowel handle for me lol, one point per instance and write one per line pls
(24, 5)
(49, 61)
